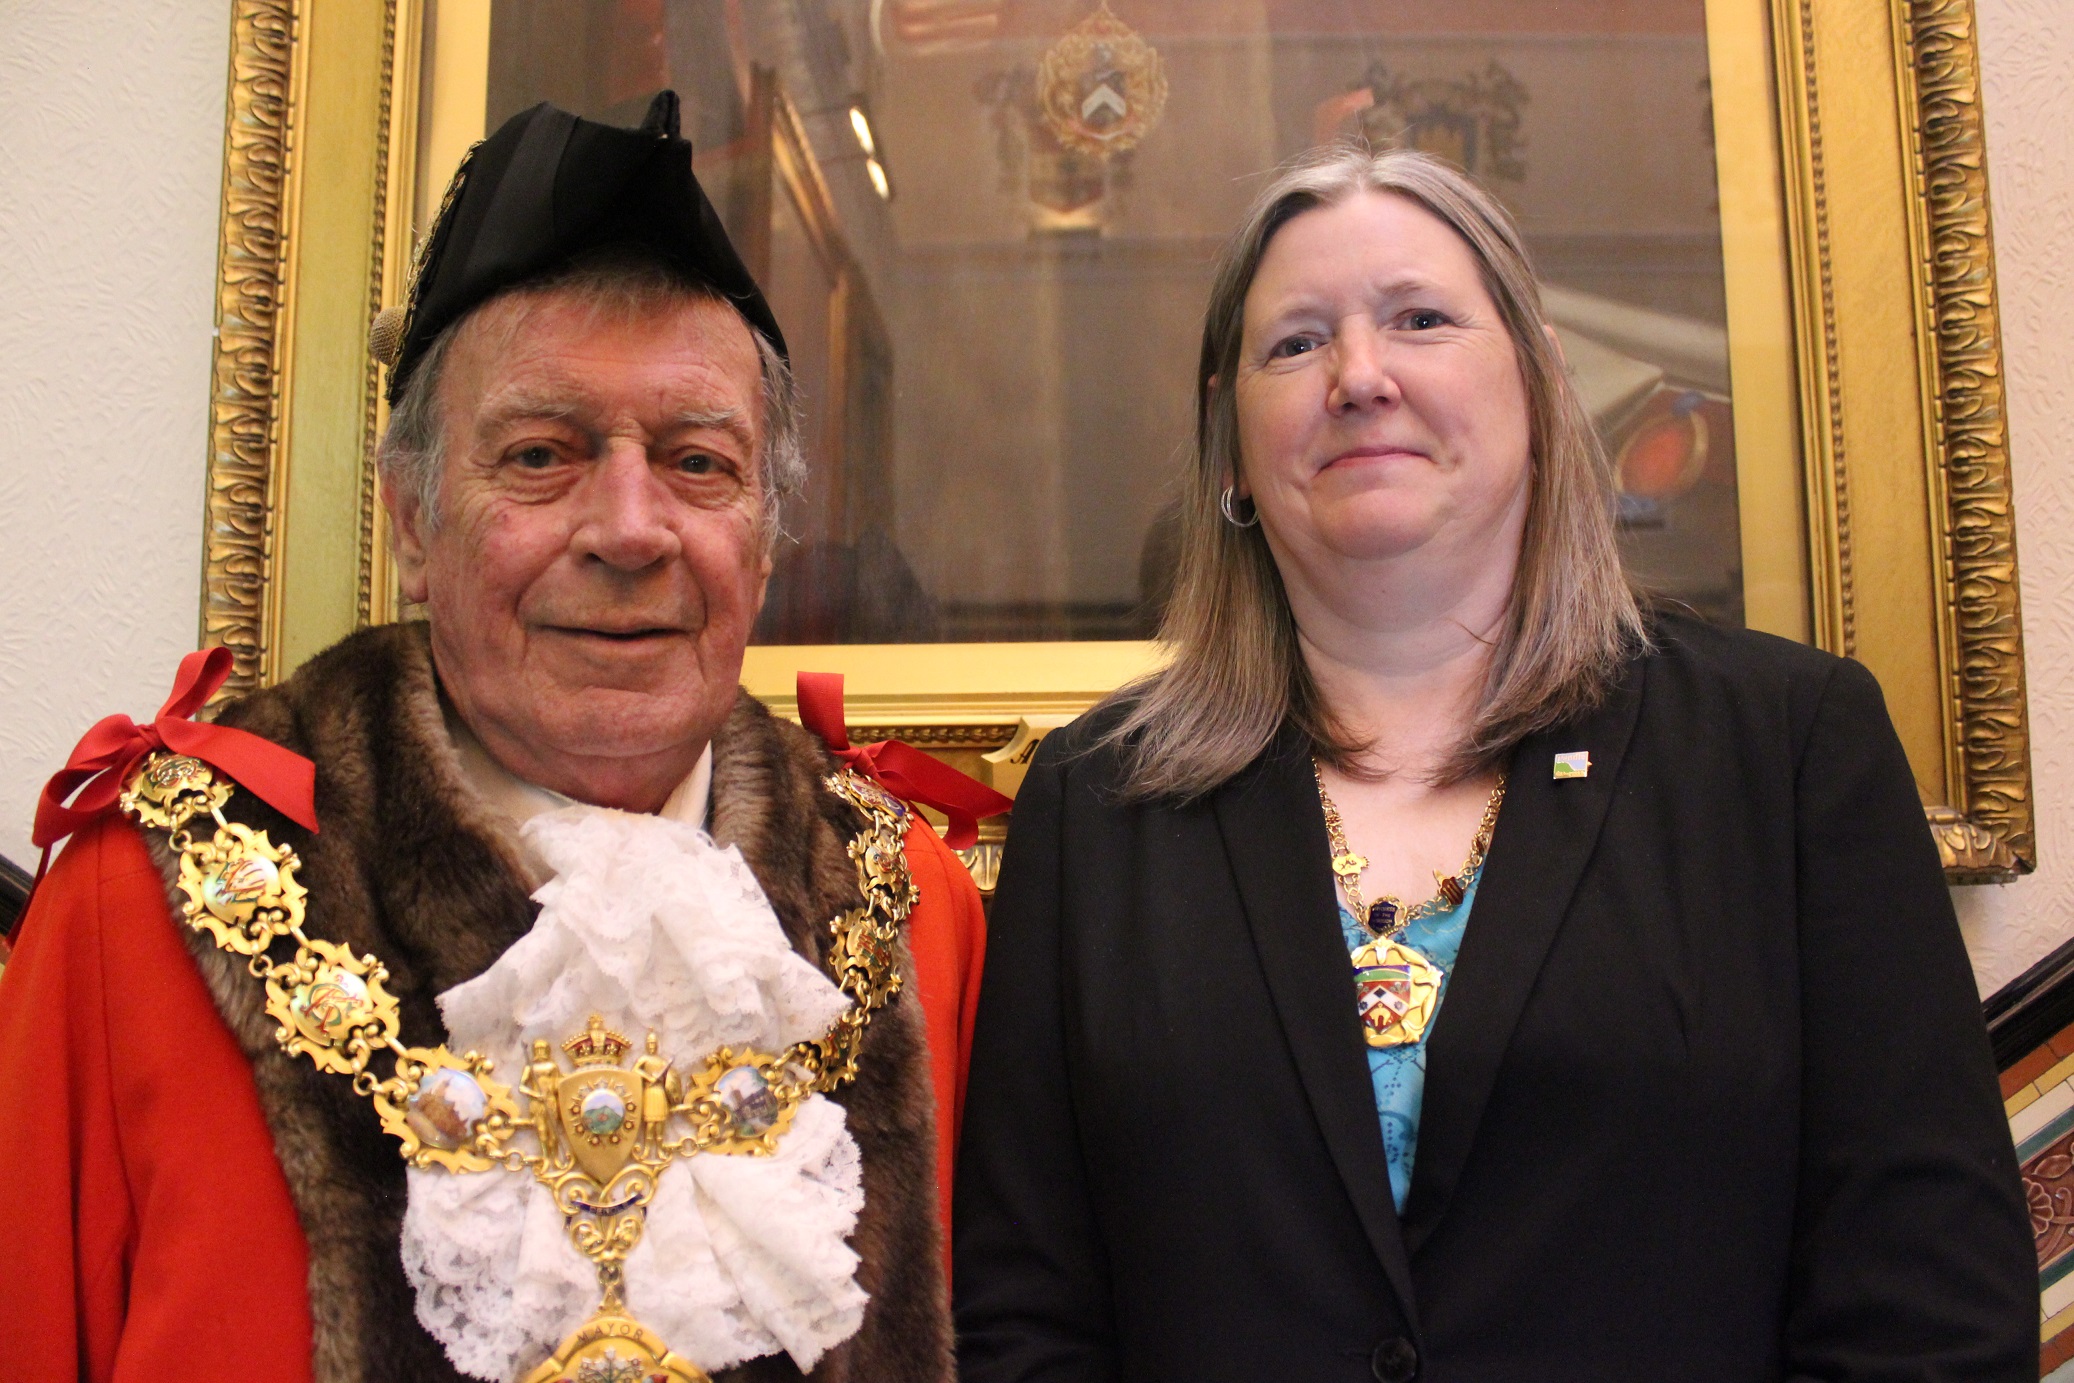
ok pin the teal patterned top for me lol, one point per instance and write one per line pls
(1399, 1073)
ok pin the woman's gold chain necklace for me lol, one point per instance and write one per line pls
(607, 1128)
(1388, 916)
(1397, 988)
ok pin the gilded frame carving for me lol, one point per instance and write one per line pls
(253, 303)
(1994, 829)
(1898, 336)
(294, 554)
(1870, 228)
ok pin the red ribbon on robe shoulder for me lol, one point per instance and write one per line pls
(101, 764)
(900, 769)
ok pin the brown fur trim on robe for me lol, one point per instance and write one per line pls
(412, 866)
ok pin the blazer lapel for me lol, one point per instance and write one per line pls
(1274, 836)
(1545, 835)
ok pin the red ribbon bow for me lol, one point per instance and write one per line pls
(284, 780)
(900, 769)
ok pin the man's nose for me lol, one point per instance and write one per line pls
(626, 511)
(1363, 373)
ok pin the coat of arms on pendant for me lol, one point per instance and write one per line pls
(1396, 990)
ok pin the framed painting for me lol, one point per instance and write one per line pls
(988, 227)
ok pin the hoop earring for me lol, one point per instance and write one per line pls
(1224, 504)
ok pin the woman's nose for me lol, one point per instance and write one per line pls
(1362, 373)
(626, 517)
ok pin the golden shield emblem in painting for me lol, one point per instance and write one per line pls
(1101, 87)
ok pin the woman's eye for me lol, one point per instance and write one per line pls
(1295, 345)
(1424, 319)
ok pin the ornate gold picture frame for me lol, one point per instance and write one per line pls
(1863, 334)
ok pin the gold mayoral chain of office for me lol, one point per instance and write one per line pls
(1396, 987)
(606, 1129)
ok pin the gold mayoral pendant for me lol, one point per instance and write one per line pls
(602, 1131)
(613, 1347)
(1396, 991)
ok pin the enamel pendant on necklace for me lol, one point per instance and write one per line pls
(613, 1347)
(1396, 991)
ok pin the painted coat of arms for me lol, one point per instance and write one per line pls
(1101, 87)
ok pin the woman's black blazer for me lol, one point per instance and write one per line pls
(1708, 1098)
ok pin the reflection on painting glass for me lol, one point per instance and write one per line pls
(987, 227)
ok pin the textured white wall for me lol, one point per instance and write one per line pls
(2027, 50)
(111, 151)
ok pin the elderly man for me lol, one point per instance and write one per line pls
(578, 1024)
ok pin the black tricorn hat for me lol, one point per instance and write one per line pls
(546, 188)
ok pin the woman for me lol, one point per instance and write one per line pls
(1442, 970)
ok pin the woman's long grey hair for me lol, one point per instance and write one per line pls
(1236, 673)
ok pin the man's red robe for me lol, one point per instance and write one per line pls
(143, 1214)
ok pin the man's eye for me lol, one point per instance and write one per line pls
(698, 463)
(534, 458)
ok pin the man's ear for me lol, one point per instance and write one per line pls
(408, 539)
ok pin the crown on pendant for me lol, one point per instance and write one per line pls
(597, 1045)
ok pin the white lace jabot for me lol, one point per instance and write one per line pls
(645, 921)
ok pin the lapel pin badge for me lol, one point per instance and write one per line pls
(1576, 764)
